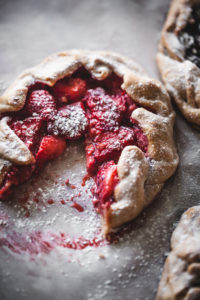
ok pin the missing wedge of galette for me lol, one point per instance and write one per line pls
(179, 57)
(124, 116)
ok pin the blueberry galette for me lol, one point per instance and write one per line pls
(124, 116)
(179, 57)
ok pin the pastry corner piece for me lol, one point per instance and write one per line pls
(124, 116)
(181, 275)
(179, 57)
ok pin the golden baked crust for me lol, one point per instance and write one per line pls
(141, 178)
(181, 76)
(180, 278)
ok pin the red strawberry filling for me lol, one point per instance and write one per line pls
(105, 182)
(50, 148)
(77, 107)
(70, 122)
(72, 90)
(107, 146)
(17, 175)
(104, 111)
(29, 131)
(41, 103)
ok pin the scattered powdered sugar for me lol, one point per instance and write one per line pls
(52, 218)
(72, 125)
(46, 201)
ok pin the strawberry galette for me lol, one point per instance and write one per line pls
(179, 56)
(124, 116)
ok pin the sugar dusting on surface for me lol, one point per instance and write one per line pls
(37, 209)
(46, 205)
(71, 126)
(131, 268)
(38, 205)
(43, 216)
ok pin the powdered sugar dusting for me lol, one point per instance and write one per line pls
(71, 125)
(34, 204)
(54, 218)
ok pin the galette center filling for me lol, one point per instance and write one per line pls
(189, 37)
(77, 107)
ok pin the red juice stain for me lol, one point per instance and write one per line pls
(72, 186)
(82, 243)
(39, 242)
(36, 200)
(85, 178)
(33, 243)
(62, 202)
(77, 207)
(78, 243)
(50, 201)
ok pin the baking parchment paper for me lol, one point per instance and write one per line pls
(131, 267)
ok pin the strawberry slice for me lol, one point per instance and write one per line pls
(70, 122)
(29, 131)
(50, 148)
(17, 175)
(106, 180)
(42, 103)
(107, 146)
(105, 112)
(71, 90)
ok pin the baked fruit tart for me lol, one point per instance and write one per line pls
(179, 57)
(180, 278)
(124, 116)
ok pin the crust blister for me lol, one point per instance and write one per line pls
(143, 90)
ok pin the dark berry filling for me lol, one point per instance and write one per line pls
(77, 106)
(190, 37)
